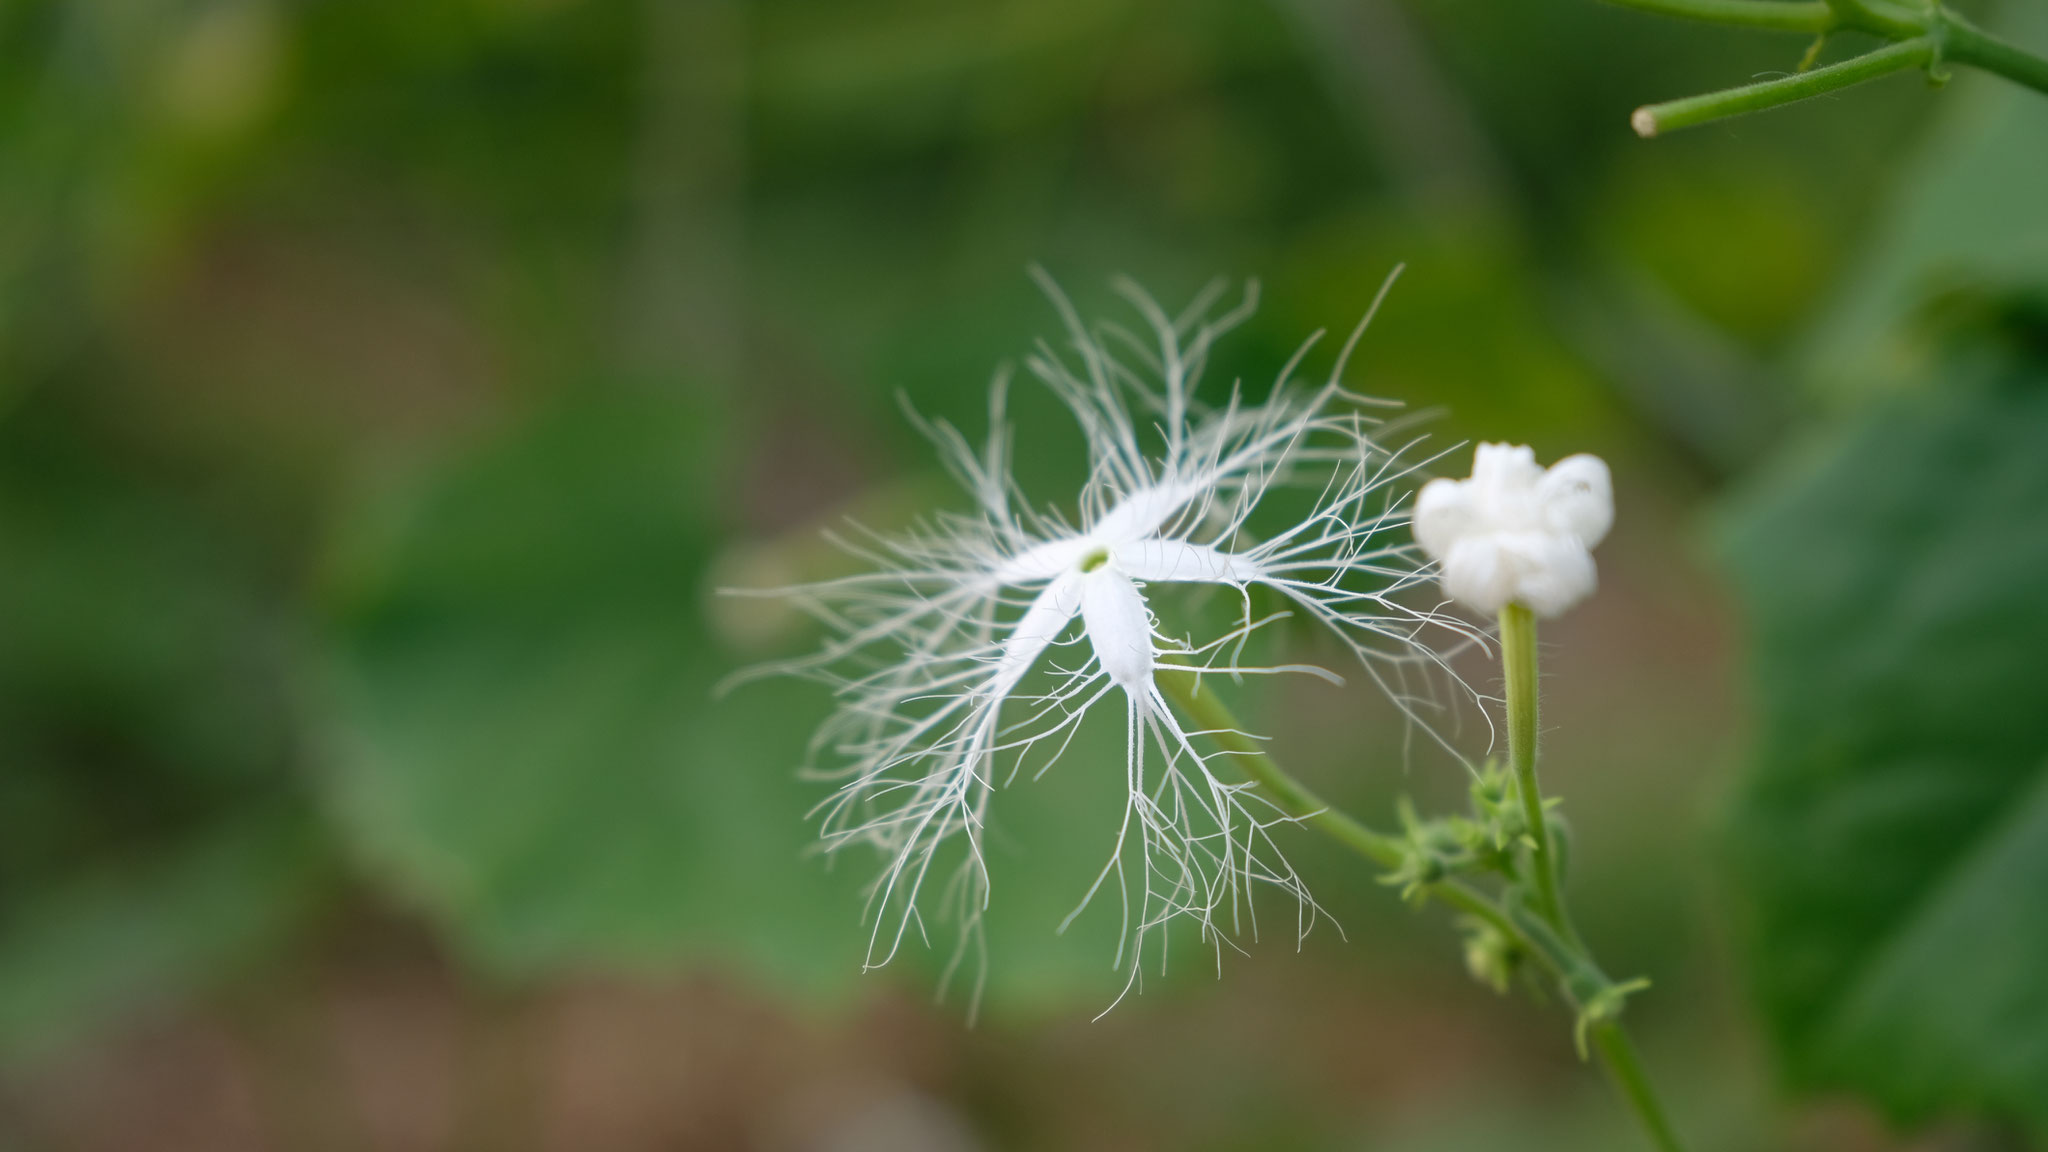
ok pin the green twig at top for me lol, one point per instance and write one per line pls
(1809, 16)
(1655, 119)
(1928, 37)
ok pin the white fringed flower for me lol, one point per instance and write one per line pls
(1516, 533)
(933, 653)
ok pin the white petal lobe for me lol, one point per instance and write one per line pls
(1119, 627)
(1040, 625)
(1501, 471)
(1477, 574)
(1143, 513)
(1444, 512)
(1557, 572)
(1043, 561)
(1578, 498)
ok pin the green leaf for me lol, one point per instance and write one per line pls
(520, 723)
(1891, 834)
(83, 948)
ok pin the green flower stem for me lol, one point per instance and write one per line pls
(1566, 960)
(1221, 726)
(1518, 663)
(1809, 16)
(1965, 43)
(1625, 1068)
(1551, 932)
(1654, 119)
(1880, 18)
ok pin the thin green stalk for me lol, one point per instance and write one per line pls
(1812, 17)
(1518, 664)
(1967, 44)
(1653, 119)
(1566, 961)
(1880, 18)
(1553, 933)
(1927, 36)
(1618, 1053)
(1221, 726)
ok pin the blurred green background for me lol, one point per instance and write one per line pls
(385, 386)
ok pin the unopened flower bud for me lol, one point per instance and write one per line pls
(1490, 955)
(1514, 532)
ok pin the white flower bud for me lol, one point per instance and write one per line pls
(1578, 498)
(1515, 533)
(1444, 513)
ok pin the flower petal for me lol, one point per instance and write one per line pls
(1577, 496)
(1179, 562)
(1545, 572)
(1445, 512)
(1119, 626)
(1141, 513)
(1043, 561)
(1502, 471)
(1034, 631)
(1479, 575)
(1556, 572)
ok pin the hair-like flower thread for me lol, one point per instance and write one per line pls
(931, 652)
(1516, 533)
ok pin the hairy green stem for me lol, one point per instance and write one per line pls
(1625, 1068)
(1922, 37)
(1653, 119)
(1518, 664)
(1881, 18)
(1965, 43)
(1810, 16)
(1551, 933)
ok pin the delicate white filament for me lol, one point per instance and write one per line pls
(1177, 561)
(940, 654)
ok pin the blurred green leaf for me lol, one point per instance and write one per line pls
(520, 718)
(1967, 216)
(1464, 274)
(1741, 244)
(1891, 835)
(152, 832)
(84, 948)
